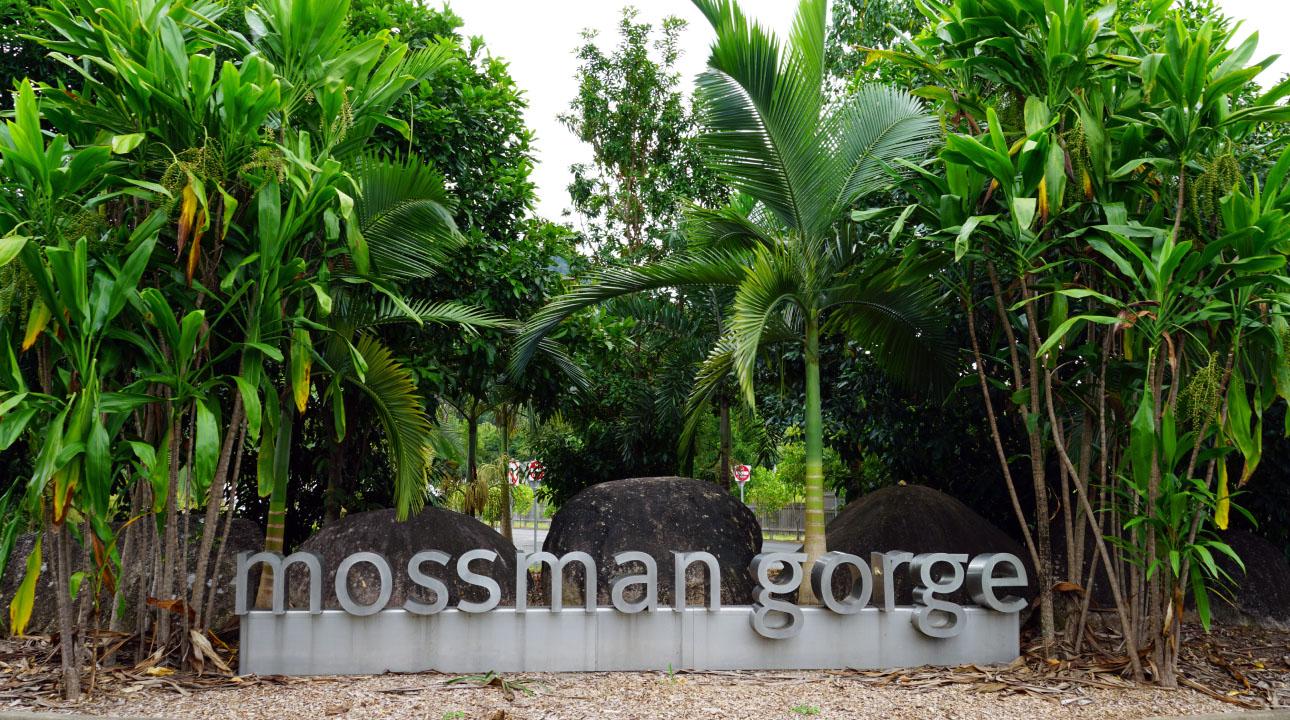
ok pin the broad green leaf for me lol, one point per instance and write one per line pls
(250, 406)
(206, 450)
(965, 233)
(1142, 440)
(122, 144)
(10, 246)
(1065, 328)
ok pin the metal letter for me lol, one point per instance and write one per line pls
(681, 562)
(556, 566)
(883, 567)
(621, 583)
(342, 583)
(929, 583)
(982, 582)
(472, 578)
(433, 584)
(861, 586)
(766, 603)
(312, 561)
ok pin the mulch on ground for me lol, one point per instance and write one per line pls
(1228, 669)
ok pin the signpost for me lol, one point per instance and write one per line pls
(536, 471)
(742, 473)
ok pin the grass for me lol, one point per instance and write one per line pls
(806, 710)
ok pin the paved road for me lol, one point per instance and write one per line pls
(524, 541)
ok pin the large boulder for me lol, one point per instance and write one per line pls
(657, 516)
(244, 536)
(918, 519)
(381, 532)
(1259, 593)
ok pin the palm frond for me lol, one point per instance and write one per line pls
(714, 370)
(769, 283)
(903, 328)
(553, 352)
(405, 214)
(408, 431)
(760, 107)
(728, 227)
(711, 268)
(872, 131)
(470, 317)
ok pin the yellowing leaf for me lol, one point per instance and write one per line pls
(37, 319)
(301, 364)
(187, 213)
(25, 599)
(1224, 499)
(158, 671)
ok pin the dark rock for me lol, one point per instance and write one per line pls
(381, 532)
(1260, 594)
(918, 519)
(244, 535)
(657, 516)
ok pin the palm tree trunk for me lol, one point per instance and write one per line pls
(723, 478)
(505, 417)
(814, 544)
(275, 533)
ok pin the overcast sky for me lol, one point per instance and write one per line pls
(538, 38)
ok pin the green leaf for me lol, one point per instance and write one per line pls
(1067, 326)
(206, 449)
(1023, 211)
(122, 144)
(1238, 425)
(1142, 440)
(250, 406)
(965, 233)
(10, 246)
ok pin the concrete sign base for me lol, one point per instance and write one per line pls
(334, 642)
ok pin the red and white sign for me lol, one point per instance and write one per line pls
(513, 473)
(537, 471)
(742, 473)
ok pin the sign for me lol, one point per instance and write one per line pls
(864, 628)
(742, 473)
(513, 473)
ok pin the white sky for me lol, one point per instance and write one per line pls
(538, 38)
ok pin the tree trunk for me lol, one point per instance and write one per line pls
(61, 564)
(814, 542)
(505, 417)
(275, 533)
(171, 549)
(724, 471)
(335, 480)
(214, 499)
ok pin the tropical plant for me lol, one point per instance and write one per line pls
(645, 166)
(1118, 273)
(794, 268)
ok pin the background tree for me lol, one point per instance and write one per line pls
(632, 113)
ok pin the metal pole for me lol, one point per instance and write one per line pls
(534, 512)
(741, 492)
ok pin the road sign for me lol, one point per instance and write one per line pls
(742, 473)
(513, 473)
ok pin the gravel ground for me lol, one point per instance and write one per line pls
(646, 696)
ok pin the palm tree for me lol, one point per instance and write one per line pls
(797, 270)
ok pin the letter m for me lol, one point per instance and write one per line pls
(276, 563)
